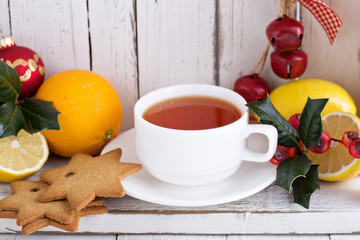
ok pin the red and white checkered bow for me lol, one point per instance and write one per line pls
(328, 19)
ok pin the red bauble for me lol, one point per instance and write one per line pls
(252, 87)
(26, 63)
(285, 34)
(289, 64)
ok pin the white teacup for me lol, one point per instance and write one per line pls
(197, 157)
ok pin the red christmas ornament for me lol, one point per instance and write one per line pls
(26, 63)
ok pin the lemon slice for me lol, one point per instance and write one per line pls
(22, 156)
(337, 164)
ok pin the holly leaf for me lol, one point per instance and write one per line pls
(291, 169)
(39, 115)
(304, 187)
(287, 134)
(310, 126)
(11, 119)
(10, 84)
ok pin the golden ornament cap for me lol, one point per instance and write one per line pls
(7, 42)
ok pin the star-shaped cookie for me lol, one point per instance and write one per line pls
(24, 200)
(94, 209)
(86, 177)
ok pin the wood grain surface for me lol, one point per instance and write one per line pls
(336, 206)
(142, 45)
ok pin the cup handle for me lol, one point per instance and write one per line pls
(272, 135)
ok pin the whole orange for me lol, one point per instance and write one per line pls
(91, 112)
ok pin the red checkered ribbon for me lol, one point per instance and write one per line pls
(327, 18)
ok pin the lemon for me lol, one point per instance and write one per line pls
(22, 156)
(337, 164)
(290, 98)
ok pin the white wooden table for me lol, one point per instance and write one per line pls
(270, 214)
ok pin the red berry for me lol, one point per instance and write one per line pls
(279, 155)
(294, 151)
(324, 143)
(283, 153)
(252, 88)
(354, 148)
(348, 137)
(285, 34)
(290, 64)
(294, 120)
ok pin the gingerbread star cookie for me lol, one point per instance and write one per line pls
(13, 214)
(86, 177)
(41, 223)
(71, 227)
(24, 200)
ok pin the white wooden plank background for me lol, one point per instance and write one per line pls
(4, 19)
(113, 49)
(242, 38)
(176, 42)
(338, 62)
(141, 45)
(57, 30)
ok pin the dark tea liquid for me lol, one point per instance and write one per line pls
(192, 113)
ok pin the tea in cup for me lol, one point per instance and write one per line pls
(196, 134)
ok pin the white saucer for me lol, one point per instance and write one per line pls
(248, 180)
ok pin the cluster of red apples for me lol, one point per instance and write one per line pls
(287, 61)
(350, 139)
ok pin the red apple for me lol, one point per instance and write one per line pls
(290, 64)
(285, 34)
(252, 88)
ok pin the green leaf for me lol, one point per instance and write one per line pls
(287, 134)
(10, 84)
(11, 119)
(39, 115)
(310, 126)
(290, 169)
(304, 187)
